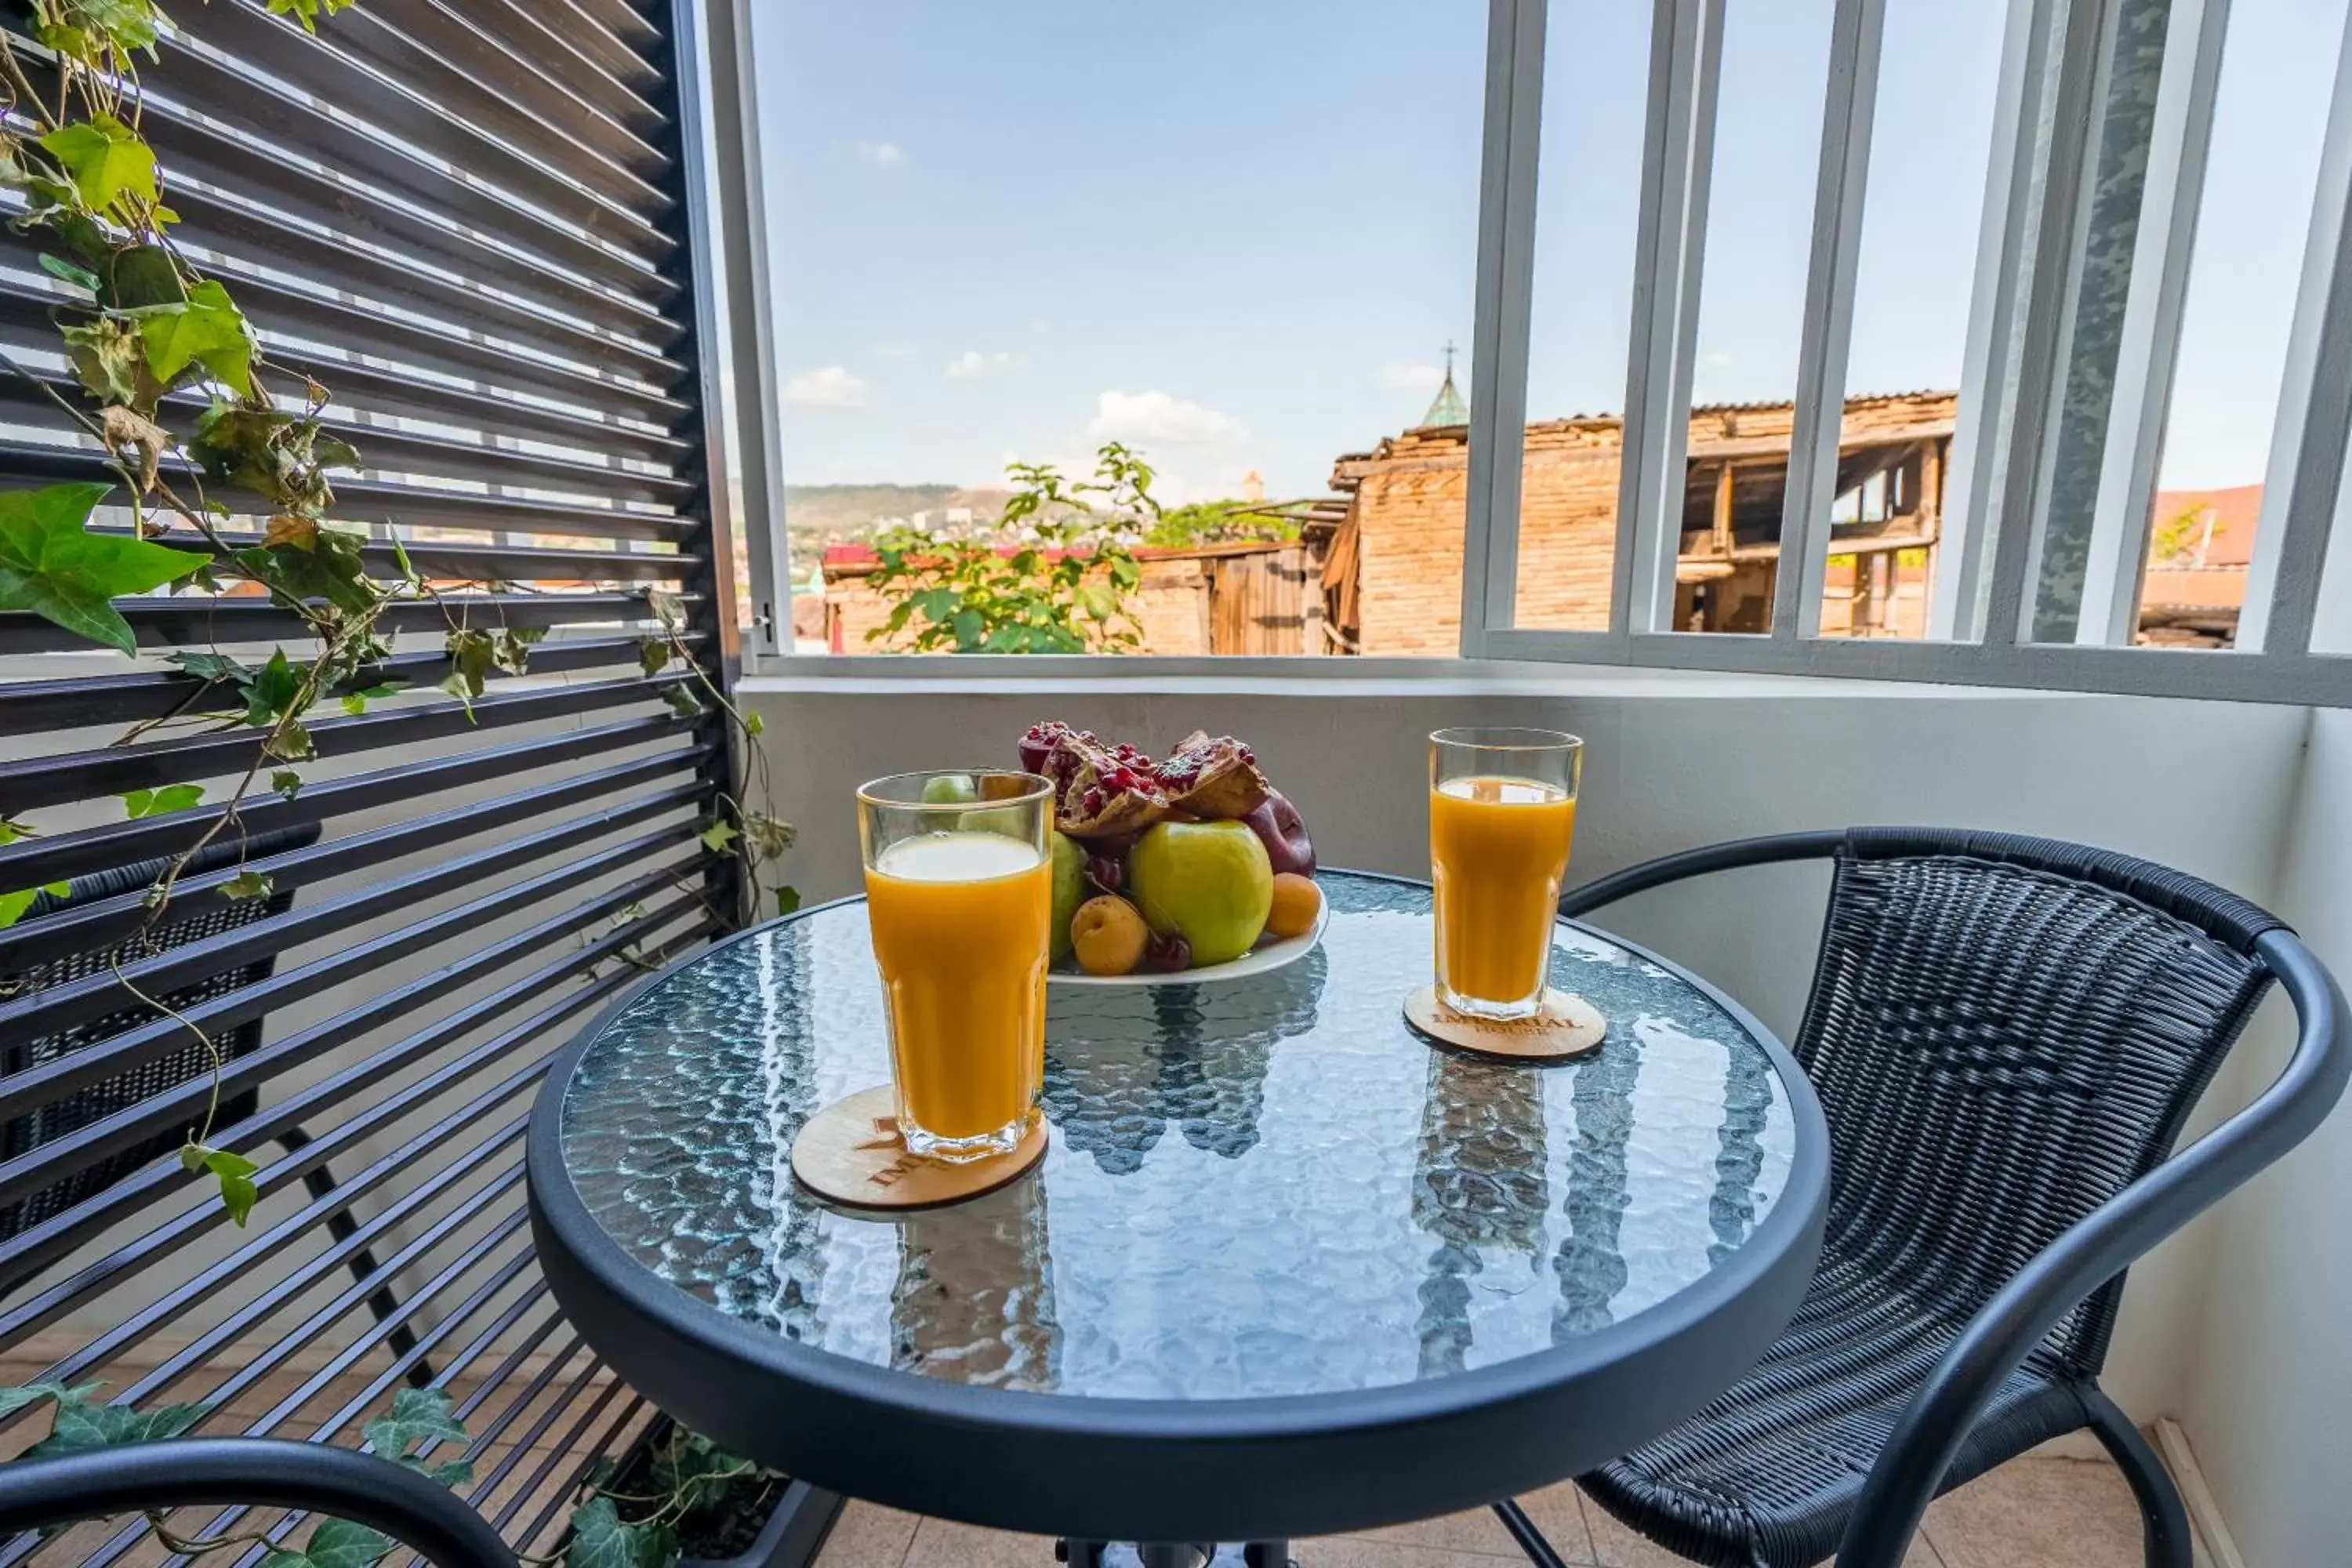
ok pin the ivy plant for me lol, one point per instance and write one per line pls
(1054, 574)
(169, 379)
(80, 1423)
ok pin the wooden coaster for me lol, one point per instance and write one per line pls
(1568, 1026)
(850, 1152)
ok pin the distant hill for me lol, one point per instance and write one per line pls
(838, 514)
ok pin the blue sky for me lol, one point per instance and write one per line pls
(1240, 235)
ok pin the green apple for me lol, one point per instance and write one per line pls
(950, 789)
(1208, 882)
(1069, 889)
(1012, 821)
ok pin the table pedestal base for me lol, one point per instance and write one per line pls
(1173, 1554)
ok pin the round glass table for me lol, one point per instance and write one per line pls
(1285, 1268)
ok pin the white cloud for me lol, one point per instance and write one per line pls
(973, 365)
(828, 386)
(1144, 417)
(1411, 375)
(882, 154)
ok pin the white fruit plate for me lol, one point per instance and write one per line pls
(1271, 953)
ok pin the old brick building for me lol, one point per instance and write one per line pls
(1392, 542)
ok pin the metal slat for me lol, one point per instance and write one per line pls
(62, 1007)
(87, 701)
(1850, 105)
(2309, 436)
(392, 502)
(485, 562)
(532, 101)
(36, 1086)
(52, 857)
(477, 460)
(193, 622)
(150, 764)
(98, 924)
(423, 159)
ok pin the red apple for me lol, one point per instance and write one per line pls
(1277, 824)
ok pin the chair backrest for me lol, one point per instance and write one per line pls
(208, 915)
(2004, 1032)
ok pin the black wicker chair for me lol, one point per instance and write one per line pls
(2006, 1035)
(59, 1119)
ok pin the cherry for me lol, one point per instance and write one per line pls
(1167, 954)
(1106, 872)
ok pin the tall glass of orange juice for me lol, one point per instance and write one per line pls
(1502, 809)
(959, 892)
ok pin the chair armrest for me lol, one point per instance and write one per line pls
(268, 1473)
(1765, 851)
(2097, 1248)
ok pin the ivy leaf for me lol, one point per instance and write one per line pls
(471, 656)
(106, 357)
(144, 275)
(207, 329)
(141, 802)
(653, 654)
(286, 782)
(769, 835)
(51, 564)
(718, 836)
(271, 691)
(15, 1399)
(336, 1543)
(247, 884)
(306, 12)
(235, 1171)
(77, 27)
(82, 1426)
(753, 725)
(787, 899)
(327, 566)
(71, 272)
(512, 650)
(356, 701)
(13, 905)
(290, 743)
(682, 698)
(599, 1540)
(417, 1417)
(105, 159)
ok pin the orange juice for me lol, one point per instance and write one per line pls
(960, 934)
(1498, 852)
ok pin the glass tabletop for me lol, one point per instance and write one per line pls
(1258, 1188)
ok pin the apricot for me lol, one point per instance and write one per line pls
(1109, 935)
(1297, 901)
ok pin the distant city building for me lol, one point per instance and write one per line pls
(959, 516)
(1253, 487)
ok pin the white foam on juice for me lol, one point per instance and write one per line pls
(1490, 790)
(956, 857)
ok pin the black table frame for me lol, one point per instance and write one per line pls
(1169, 1469)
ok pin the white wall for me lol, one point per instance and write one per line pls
(2268, 1390)
(1672, 762)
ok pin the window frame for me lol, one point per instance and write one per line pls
(2033, 243)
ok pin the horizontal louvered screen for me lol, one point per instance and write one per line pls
(469, 222)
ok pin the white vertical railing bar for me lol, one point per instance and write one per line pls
(1501, 317)
(1957, 588)
(1677, 159)
(2052, 271)
(2172, 192)
(2307, 442)
(1849, 105)
(735, 215)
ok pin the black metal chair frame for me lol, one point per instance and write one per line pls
(1910, 1470)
